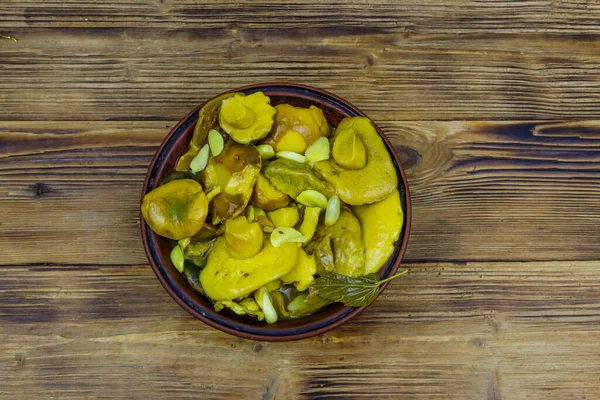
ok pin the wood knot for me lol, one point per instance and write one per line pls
(40, 189)
(20, 359)
(257, 347)
(409, 157)
(369, 61)
(477, 342)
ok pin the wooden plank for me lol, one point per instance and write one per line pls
(465, 331)
(428, 16)
(481, 190)
(137, 73)
(70, 192)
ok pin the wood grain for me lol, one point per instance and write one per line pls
(504, 16)
(483, 191)
(125, 74)
(447, 330)
(492, 105)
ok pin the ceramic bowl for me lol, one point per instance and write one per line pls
(158, 249)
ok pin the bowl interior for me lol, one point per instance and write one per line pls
(158, 248)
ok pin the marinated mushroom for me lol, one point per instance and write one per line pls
(235, 171)
(321, 249)
(197, 252)
(291, 140)
(381, 225)
(244, 239)
(285, 216)
(303, 272)
(348, 149)
(247, 118)
(293, 178)
(207, 119)
(261, 263)
(176, 210)
(228, 278)
(309, 122)
(373, 182)
(309, 222)
(347, 244)
(267, 196)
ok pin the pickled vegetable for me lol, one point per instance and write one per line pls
(177, 258)
(267, 196)
(284, 217)
(310, 221)
(291, 141)
(207, 119)
(303, 272)
(244, 307)
(381, 225)
(332, 213)
(284, 235)
(244, 239)
(235, 170)
(298, 220)
(197, 252)
(348, 149)
(347, 244)
(176, 210)
(247, 118)
(266, 151)
(312, 198)
(321, 249)
(215, 142)
(263, 298)
(199, 162)
(293, 178)
(318, 151)
(228, 278)
(373, 182)
(290, 155)
(308, 122)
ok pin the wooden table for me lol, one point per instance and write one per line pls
(493, 105)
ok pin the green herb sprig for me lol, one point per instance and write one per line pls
(8, 37)
(353, 292)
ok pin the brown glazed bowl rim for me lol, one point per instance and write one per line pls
(243, 329)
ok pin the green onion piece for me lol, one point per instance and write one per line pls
(266, 151)
(215, 142)
(199, 162)
(177, 258)
(297, 303)
(290, 155)
(250, 213)
(312, 198)
(318, 151)
(286, 235)
(263, 298)
(332, 212)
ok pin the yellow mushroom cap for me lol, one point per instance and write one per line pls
(228, 278)
(176, 210)
(247, 118)
(376, 181)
